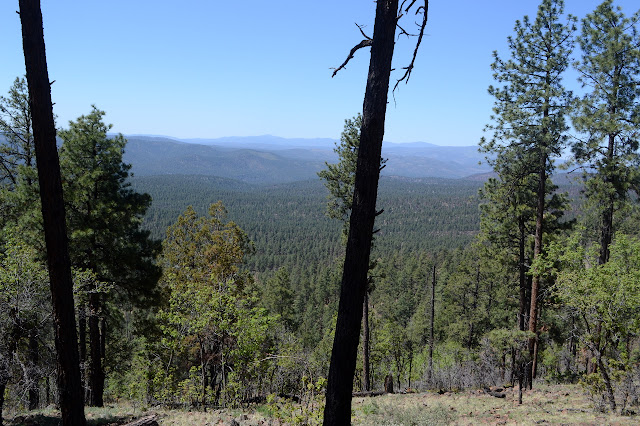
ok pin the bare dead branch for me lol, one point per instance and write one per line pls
(360, 27)
(408, 7)
(363, 43)
(404, 32)
(424, 9)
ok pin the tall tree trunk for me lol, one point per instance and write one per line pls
(606, 230)
(356, 265)
(366, 377)
(431, 329)
(96, 373)
(53, 214)
(522, 275)
(34, 361)
(474, 307)
(3, 386)
(537, 251)
(82, 336)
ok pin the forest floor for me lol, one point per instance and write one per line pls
(546, 404)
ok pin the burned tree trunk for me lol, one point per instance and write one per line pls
(363, 213)
(366, 376)
(53, 214)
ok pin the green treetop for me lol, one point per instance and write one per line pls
(608, 115)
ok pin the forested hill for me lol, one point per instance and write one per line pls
(269, 160)
(288, 224)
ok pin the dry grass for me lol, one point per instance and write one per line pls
(557, 404)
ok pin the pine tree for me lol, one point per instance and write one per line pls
(17, 147)
(105, 217)
(19, 198)
(339, 178)
(529, 113)
(608, 115)
(278, 298)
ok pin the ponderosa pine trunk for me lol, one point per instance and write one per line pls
(366, 375)
(82, 344)
(3, 386)
(431, 328)
(606, 231)
(356, 265)
(537, 251)
(53, 214)
(522, 275)
(96, 372)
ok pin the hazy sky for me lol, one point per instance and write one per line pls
(213, 68)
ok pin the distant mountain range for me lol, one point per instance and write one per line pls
(271, 159)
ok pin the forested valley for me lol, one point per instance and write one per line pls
(198, 292)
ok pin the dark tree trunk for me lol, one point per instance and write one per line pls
(34, 361)
(3, 386)
(53, 214)
(522, 271)
(607, 380)
(366, 377)
(431, 329)
(82, 336)
(47, 391)
(96, 373)
(103, 337)
(354, 278)
(606, 231)
(474, 307)
(537, 251)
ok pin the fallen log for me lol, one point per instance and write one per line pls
(367, 393)
(495, 393)
(151, 420)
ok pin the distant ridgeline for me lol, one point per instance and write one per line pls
(269, 160)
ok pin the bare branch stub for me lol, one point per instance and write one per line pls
(363, 43)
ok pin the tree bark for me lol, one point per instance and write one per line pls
(537, 251)
(522, 271)
(606, 231)
(366, 376)
(431, 329)
(82, 336)
(34, 361)
(96, 373)
(474, 306)
(3, 386)
(53, 214)
(354, 278)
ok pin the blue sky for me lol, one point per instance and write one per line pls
(207, 69)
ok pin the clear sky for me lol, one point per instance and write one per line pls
(214, 68)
